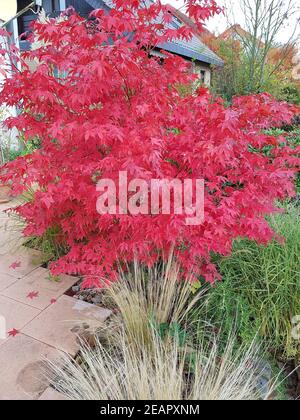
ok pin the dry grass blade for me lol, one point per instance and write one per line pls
(151, 296)
(165, 374)
(132, 361)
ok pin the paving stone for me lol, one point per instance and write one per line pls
(51, 395)
(11, 237)
(9, 232)
(3, 217)
(57, 325)
(20, 262)
(6, 280)
(9, 222)
(22, 367)
(25, 291)
(37, 289)
(14, 315)
(10, 242)
(15, 202)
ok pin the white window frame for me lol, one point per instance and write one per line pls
(63, 5)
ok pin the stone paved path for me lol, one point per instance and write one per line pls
(37, 320)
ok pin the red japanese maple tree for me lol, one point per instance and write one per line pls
(101, 103)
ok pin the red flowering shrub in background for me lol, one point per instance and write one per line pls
(115, 107)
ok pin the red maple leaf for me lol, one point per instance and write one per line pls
(13, 333)
(15, 265)
(53, 301)
(32, 295)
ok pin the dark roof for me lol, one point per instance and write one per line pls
(189, 22)
(194, 49)
(98, 4)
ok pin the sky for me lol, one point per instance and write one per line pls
(7, 9)
(219, 23)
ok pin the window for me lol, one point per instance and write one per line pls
(202, 76)
(201, 73)
(55, 6)
(59, 74)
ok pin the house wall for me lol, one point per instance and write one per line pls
(53, 8)
(25, 20)
(50, 7)
(2, 42)
(80, 6)
(47, 4)
(8, 138)
(203, 70)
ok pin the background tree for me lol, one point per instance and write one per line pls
(264, 20)
(254, 61)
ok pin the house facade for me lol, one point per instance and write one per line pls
(8, 138)
(193, 50)
(207, 59)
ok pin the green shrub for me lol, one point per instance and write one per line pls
(260, 291)
(294, 139)
(51, 244)
(289, 93)
(26, 149)
(292, 134)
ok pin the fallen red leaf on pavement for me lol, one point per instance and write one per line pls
(13, 333)
(15, 265)
(32, 295)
